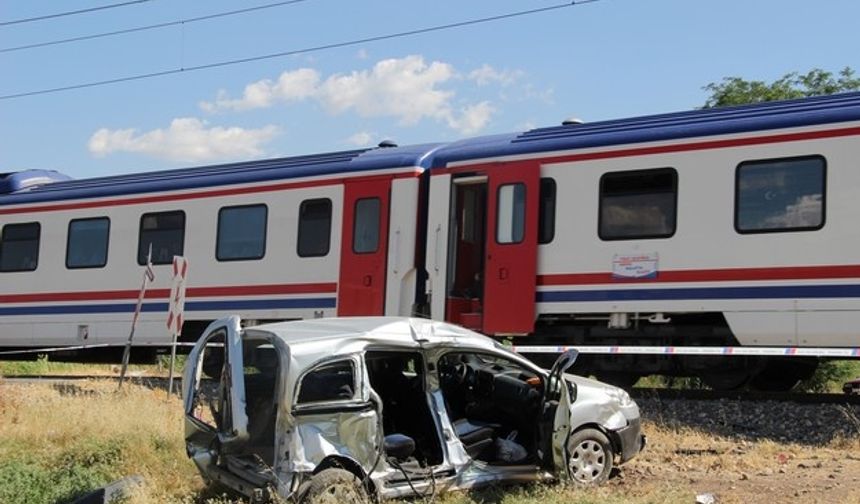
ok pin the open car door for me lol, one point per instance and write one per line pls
(555, 414)
(215, 417)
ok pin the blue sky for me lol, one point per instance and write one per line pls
(600, 60)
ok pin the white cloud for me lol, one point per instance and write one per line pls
(362, 54)
(361, 139)
(291, 86)
(472, 118)
(486, 74)
(187, 139)
(407, 88)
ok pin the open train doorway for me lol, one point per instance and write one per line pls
(466, 254)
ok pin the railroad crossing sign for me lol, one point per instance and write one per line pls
(176, 310)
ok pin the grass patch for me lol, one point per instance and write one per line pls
(43, 365)
(830, 376)
(55, 445)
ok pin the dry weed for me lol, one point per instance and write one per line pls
(134, 431)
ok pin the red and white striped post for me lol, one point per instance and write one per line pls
(176, 310)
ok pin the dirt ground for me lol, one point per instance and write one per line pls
(742, 471)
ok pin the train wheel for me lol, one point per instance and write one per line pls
(726, 380)
(619, 378)
(781, 376)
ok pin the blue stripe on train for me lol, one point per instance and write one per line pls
(267, 304)
(771, 292)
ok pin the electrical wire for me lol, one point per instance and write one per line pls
(294, 52)
(72, 13)
(148, 27)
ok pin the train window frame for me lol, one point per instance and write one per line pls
(104, 261)
(547, 210)
(4, 240)
(262, 242)
(142, 252)
(673, 223)
(785, 229)
(363, 249)
(517, 235)
(302, 233)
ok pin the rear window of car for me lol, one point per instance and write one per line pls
(329, 382)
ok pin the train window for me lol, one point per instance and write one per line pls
(546, 218)
(314, 228)
(780, 195)
(87, 243)
(165, 232)
(511, 213)
(241, 233)
(19, 247)
(365, 237)
(638, 204)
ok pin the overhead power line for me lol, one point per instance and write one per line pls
(72, 13)
(293, 52)
(148, 27)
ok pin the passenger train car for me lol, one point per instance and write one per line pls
(718, 227)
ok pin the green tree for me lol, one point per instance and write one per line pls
(816, 82)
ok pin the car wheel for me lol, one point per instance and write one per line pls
(334, 486)
(589, 457)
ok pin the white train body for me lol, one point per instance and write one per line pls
(733, 226)
(58, 305)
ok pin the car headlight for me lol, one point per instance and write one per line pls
(620, 395)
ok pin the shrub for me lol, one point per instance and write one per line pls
(830, 376)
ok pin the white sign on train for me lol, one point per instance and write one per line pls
(635, 265)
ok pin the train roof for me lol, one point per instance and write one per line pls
(821, 110)
(61, 187)
(40, 185)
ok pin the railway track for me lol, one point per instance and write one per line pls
(752, 396)
(149, 381)
(636, 393)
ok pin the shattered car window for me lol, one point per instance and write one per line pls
(207, 397)
(329, 382)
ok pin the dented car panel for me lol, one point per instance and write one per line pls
(459, 411)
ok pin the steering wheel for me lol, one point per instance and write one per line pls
(461, 372)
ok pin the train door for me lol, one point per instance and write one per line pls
(510, 270)
(492, 249)
(361, 287)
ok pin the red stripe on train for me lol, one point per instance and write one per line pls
(215, 193)
(664, 149)
(191, 292)
(715, 275)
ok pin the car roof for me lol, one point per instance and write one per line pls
(341, 335)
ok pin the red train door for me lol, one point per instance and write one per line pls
(510, 271)
(363, 257)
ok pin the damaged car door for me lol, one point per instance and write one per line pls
(214, 395)
(555, 422)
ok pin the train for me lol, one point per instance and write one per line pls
(733, 227)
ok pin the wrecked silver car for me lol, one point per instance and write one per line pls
(391, 407)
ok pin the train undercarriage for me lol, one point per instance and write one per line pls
(763, 373)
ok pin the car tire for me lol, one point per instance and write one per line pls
(590, 457)
(334, 486)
